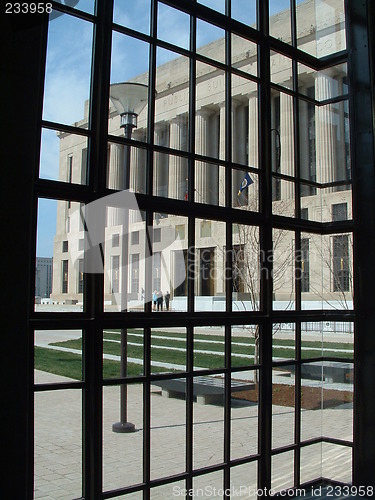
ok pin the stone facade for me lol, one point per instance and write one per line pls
(325, 262)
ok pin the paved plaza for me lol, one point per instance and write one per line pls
(58, 442)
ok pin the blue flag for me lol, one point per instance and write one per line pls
(247, 180)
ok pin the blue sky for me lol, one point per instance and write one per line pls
(68, 69)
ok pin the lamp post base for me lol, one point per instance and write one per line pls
(123, 427)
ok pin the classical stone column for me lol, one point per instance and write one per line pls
(201, 147)
(222, 155)
(325, 131)
(115, 179)
(252, 153)
(160, 177)
(238, 150)
(177, 166)
(253, 131)
(286, 144)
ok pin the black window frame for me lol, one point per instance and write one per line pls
(91, 317)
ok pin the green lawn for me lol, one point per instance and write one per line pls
(70, 364)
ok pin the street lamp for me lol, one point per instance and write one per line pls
(129, 99)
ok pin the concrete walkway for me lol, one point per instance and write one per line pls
(58, 443)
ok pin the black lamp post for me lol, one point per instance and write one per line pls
(129, 99)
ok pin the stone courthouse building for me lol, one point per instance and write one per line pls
(319, 114)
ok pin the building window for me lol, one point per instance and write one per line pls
(305, 213)
(339, 211)
(69, 173)
(64, 268)
(115, 240)
(341, 268)
(84, 166)
(207, 271)
(205, 229)
(134, 238)
(180, 231)
(65, 246)
(80, 275)
(134, 269)
(115, 273)
(157, 234)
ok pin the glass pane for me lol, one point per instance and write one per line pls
(58, 443)
(210, 112)
(283, 194)
(245, 194)
(311, 462)
(311, 339)
(324, 143)
(130, 63)
(321, 27)
(125, 261)
(210, 41)
(115, 363)
(246, 267)
(337, 462)
(280, 20)
(171, 114)
(168, 429)
(57, 356)
(244, 126)
(63, 157)
(282, 467)
(283, 405)
(168, 350)
(244, 55)
(134, 15)
(244, 416)
(333, 82)
(336, 254)
(281, 70)
(210, 281)
(337, 414)
(243, 478)
(168, 263)
(245, 347)
(311, 400)
(68, 70)
(282, 142)
(283, 270)
(170, 178)
(122, 159)
(210, 183)
(209, 484)
(173, 26)
(208, 434)
(60, 239)
(209, 349)
(246, 12)
(116, 457)
(283, 342)
(338, 341)
(326, 205)
(84, 5)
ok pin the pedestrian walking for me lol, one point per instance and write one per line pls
(167, 297)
